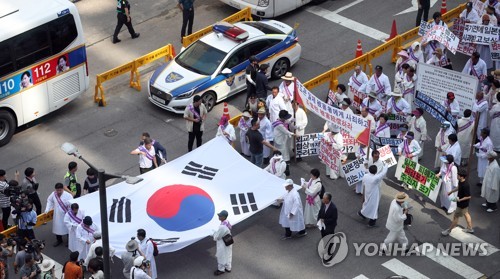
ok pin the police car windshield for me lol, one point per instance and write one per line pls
(201, 58)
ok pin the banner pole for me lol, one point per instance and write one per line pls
(474, 137)
(369, 141)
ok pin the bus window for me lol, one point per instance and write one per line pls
(62, 32)
(31, 47)
(6, 65)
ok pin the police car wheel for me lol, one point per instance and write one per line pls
(280, 68)
(7, 127)
(209, 99)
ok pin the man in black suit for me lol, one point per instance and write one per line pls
(327, 215)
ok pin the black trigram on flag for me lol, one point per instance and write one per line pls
(199, 171)
(123, 202)
(243, 203)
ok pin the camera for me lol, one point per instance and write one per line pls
(11, 242)
(146, 263)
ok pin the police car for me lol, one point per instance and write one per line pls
(214, 66)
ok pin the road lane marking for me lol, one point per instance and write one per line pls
(348, 23)
(347, 6)
(361, 276)
(400, 268)
(464, 237)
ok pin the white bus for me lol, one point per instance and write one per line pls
(269, 8)
(43, 62)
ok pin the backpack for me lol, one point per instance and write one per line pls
(155, 247)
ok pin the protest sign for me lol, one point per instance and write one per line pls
(328, 155)
(350, 143)
(479, 6)
(330, 99)
(387, 156)
(395, 121)
(393, 143)
(418, 177)
(357, 97)
(356, 126)
(424, 28)
(308, 145)
(495, 51)
(436, 82)
(443, 35)
(458, 29)
(354, 171)
(480, 34)
(434, 108)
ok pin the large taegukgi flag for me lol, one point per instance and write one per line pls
(178, 202)
(352, 124)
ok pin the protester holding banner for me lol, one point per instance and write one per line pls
(382, 129)
(344, 105)
(368, 117)
(463, 198)
(334, 137)
(418, 126)
(449, 174)
(476, 67)
(85, 235)
(226, 130)
(482, 148)
(300, 119)
(291, 215)
(358, 80)
(380, 84)
(480, 107)
(372, 104)
(409, 148)
(440, 59)
(340, 95)
(408, 85)
(398, 105)
(372, 182)
(495, 124)
(465, 128)
(484, 50)
(312, 189)
(431, 46)
(454, 148)
(147, 158)
(441, 143)
(416, 53)
(469, 14)
(59, 202)
(244, 124)
(287, 88)
(451, 104)
(72, 219)
(491, 184)
(361, 153)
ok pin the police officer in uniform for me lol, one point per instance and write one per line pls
(123, 16)
(187, 8)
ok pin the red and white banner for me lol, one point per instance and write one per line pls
(443, 35)
(328, 155)
(458, 29)
(357, 97)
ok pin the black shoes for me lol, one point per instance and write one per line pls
(218, 272)
(116, 40)
(136, 35)
(57, 243)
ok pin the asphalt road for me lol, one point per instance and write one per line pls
(106, 136)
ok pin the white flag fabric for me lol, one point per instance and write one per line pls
(178, 202)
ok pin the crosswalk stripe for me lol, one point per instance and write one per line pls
(58, 268)
(464, 237)
(400, 268)
(348, 23)
(449, 262)
(361, 276)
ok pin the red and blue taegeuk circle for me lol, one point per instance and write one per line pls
(180, 207)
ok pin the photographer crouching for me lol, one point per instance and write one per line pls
(25, 216)
(141, 269)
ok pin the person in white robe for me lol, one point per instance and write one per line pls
(277, 165)
(291, 215)
(361, 152)
(484, 50)
(397, 105)
(72, 219)
(282, 136)
(85, 235)
(372, 183)
(454, 148)
(431, 46)
(403, 130)
(409, 148)
(476, 67)
(146, 247)
(491, 95)
(470, 14)
(301, 120)
(480, 107)
(465, 129)
(482, 148)
(244, 125)
(408, 85)
(449, 174)
(357, 81)
(366, 115)
(266, 130)
(339, 95)
(382, 129)
(491, 183)
(223, 253)
(226, 130)
(374, 159)
(439, 59)
(380, 84)
(276, 104)
(418, 126)
(495, 124)
(97, 243)
(344, 105)
(400, 69)
(395, 221)
(337, 141)
(415, 53)
(59, 202)
(287, 88)
(451, 104)
(312, 189)
(372, 104)
(441, 142)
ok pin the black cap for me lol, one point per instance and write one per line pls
(378, 67)
(253, 58)
(284, 114)
(196, 98)
(87, 220)
(469, 5)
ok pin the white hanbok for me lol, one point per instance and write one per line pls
(382, 130)
(406, 149)
(419, 128)
(276, 105)
(484, 146)
(374, 108)
(229, 129)
(147, 249)
(288, 95)
(277, 166)
(266, 130)
(491, 182)
(408, 84)
(450, 182)
(337, 142)
(360, 153)
(470, 17)
(465, 129)
(381, 85)
(72, 221)
(372, 193)
(223, 253)
(454, 106)
(495, 126)
(300, 121)
(441, 142)
(480, 107)
(292, 215)
(416, 56)
(244, 125)
(395, 225)
(84, 234)
(313, 202)
(358, 82)
(60, 207)
(397, 106)
(455, 151)
(479, 70)
(282, 138)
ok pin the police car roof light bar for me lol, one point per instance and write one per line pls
(230, 31)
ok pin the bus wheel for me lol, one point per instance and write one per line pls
(7, 127)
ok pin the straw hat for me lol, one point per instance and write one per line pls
(288, 76)
(246, 114)
(132, 245)
(396, 94)
(47, 265)
(262, 111)
(401, 196)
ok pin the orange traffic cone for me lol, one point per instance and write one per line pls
(225, 111)
(443, 7)
(359, 50)
(394, 31)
